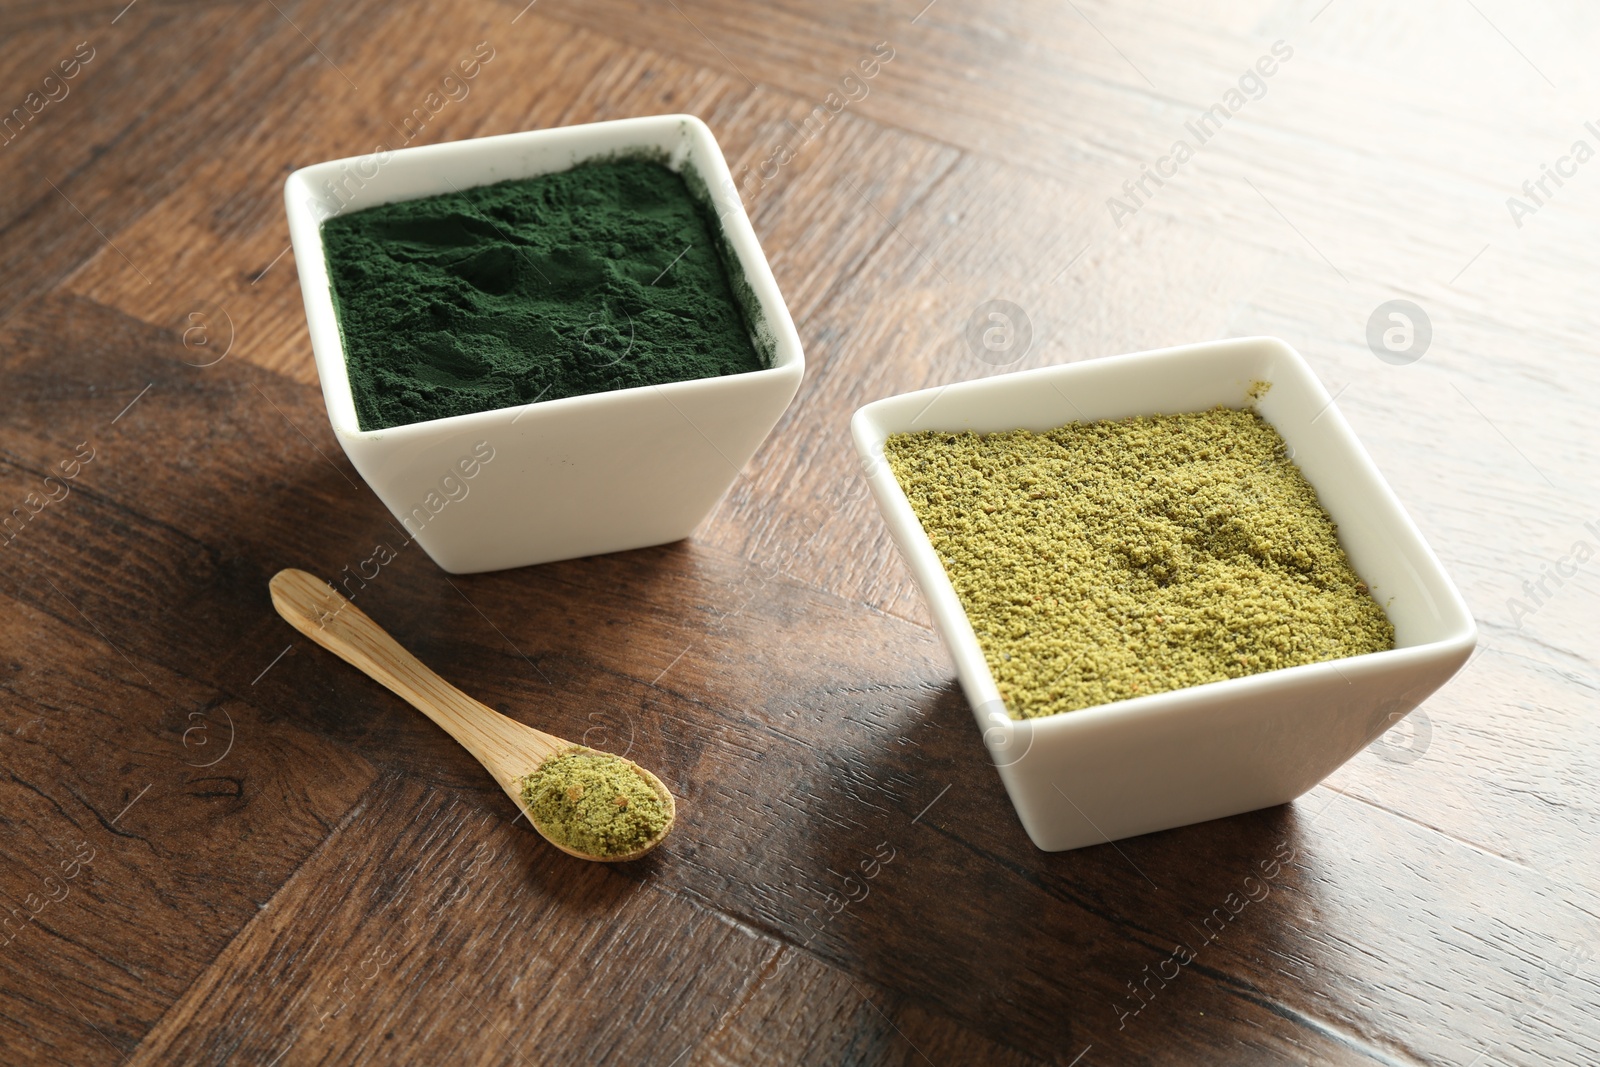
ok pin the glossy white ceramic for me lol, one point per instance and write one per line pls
(562, 478)
(1155, 762)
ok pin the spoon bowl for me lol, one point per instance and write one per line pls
(508, 750)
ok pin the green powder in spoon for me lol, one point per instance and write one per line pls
(602, 277)
(1107, 560)
(595, 803)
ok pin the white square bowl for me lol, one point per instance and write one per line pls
(564, 478)
(1169, 759)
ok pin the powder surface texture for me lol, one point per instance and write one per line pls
(602, 277)
(1107, 560)
(595, 803)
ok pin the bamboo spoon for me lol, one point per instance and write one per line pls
(509, 750)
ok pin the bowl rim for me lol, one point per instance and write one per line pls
(869, 429)
(788, 358)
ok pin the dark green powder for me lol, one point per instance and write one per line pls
(603, 277)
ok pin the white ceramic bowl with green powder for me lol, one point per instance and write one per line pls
(1137, 763)
(546, 479)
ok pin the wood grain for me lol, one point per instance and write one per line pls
(847, 882)
(189, 806)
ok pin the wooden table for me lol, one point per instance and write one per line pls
(223, 846)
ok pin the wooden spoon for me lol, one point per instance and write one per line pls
(508, 749)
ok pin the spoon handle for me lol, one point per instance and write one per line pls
(314, 608)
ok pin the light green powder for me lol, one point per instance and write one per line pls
(1108, 560)
(595, 803)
